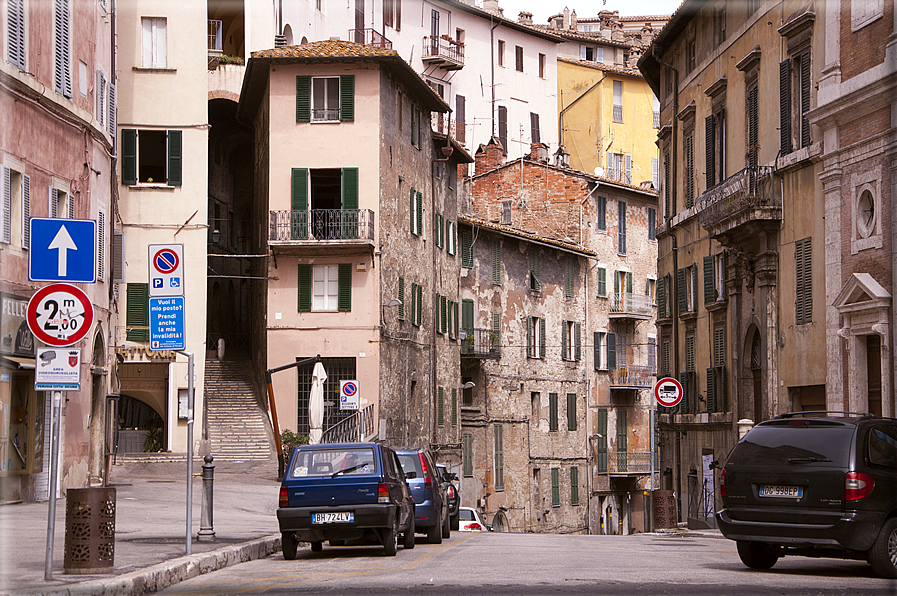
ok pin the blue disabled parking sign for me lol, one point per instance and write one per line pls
(167, 323)
(62, 250)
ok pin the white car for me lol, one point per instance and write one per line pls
(469, 520)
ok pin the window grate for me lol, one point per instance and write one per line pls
(338, 369)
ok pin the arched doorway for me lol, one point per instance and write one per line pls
(97, 458)
(750, 402)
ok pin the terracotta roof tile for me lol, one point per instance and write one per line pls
(632, 72)
(331, 48)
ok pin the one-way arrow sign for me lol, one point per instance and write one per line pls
(63, 250)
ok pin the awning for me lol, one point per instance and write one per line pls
(17, 362)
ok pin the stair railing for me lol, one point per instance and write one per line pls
(346, 430)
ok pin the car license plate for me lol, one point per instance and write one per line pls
(777, 490)
(339, 517)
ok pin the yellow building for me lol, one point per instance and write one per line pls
(608, 121)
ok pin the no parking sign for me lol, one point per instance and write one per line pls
(348, 395)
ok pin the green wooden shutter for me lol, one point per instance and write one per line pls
(617, 284)
(299, 190)
(457, 334)
(689, 170)
(467, 316)
(420, 304)
(175, 158)
(467, 455)
(596, 351)
(454, 406)
(555, 487)
(574, 485)
(569, 276)
(552, 411)
(709, 281)
(420, 213)
(542, 338)
(496, 261)
(499, 457)
(709, 151)
(412, 208)
(565, 340)
(577, 341)
(601, 443)
(571, 411)
(137, 312)
(805, 91)
(129, 156)
(443, 309)
(711, 390)
(530, 349)
(440, 416)
(304, 288)
(611, 351)
(303, 98)
(402, 298)
(347, 98)
(602, 281)
(661, 298)
(785, 106)
(680, 283)
(466, 248)
(413, 115)
(349, 215)
(629, 282)
(344, 295)
(622, 437)
(721, 388)
(535, 284)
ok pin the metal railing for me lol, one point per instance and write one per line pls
(701, 497)
(618, 113)
(347, 429)
(631, 304)
(452, 129)
(748, 189)
(633, 375)
(215, 46)
(446, 49)
(632, 462)
(325, 114)
(481, 343)
(370, 37)
(656, 119)
(322, 224)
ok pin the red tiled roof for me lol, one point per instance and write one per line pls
(331, 48)
(631, 72)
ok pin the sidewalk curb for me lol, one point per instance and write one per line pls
(161, 576)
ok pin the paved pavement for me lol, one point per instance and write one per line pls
(150, 530)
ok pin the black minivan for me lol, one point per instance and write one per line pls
(815, 484)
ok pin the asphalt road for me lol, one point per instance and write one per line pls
(530, 564)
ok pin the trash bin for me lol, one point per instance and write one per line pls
(89, 530)
(665, 517)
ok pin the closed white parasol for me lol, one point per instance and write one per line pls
(316, 404)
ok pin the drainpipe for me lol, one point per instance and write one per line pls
(675, 251)
(492, 71)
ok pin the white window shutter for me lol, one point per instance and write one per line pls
(147, 43)
(62, 50)
(101, 246)
(16, 32)
(101, 99)
(160, 47)
(628, 169)
(26, 212)
(53, 194)
(70, 206)
(5, 232)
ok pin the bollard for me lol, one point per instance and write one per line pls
(206, 530)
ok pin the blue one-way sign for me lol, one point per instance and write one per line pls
(63, 250)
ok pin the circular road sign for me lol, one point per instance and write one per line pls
(59, 315)
(165, 261)
(349, 389)
(668, 392)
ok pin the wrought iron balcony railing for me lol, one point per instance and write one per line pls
(629, 304)
(618, 113)
(481, 343)
(448, 53)
(747, 190)
(453, 129)
(215, 46)
(370, 37)
(632, 375)
(322, 225)
(624, 462)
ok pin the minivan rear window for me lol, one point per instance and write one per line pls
(797, 445)
(411, 464)
(883, 447)
(329, 462)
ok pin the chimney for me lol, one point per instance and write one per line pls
(493, 7)
(566, 19)
(488, 157)
(525, 18)
(573, 23)
(539, 152)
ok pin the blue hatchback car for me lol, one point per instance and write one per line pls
(430, 501)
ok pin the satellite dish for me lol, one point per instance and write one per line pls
(599, 171)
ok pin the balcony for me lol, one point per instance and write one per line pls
(441, 124)
(442, 51)
(480, 343)
(370, 37)
(214, 43)
(740, 206)
(624, 462)
(322, 231)
(632, 376)
(626, 305)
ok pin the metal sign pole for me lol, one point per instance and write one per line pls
(653, 459)
(55, 413)
(190, 404)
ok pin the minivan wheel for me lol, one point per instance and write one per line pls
(756, 555)
(446, 528)
(288, 545)
(883, 554)
(434, 533)
(408, 538)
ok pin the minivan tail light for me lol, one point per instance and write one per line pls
(284, 500)
(722, 483)
(428, 478)
(382, 493)
(857, 486)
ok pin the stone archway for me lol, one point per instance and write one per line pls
(750, 400)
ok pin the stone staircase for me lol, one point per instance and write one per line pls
(238, 428)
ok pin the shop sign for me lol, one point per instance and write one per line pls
(15, 337)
